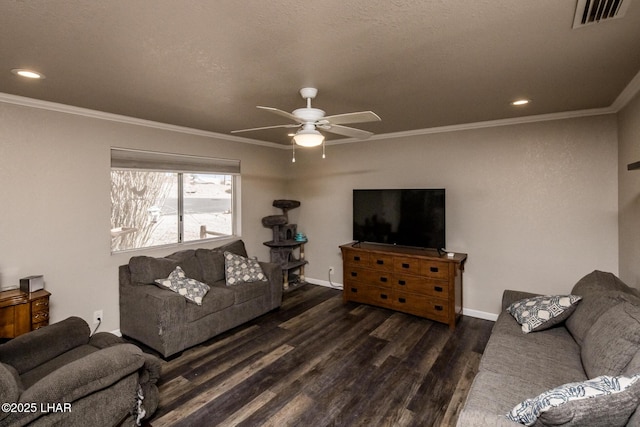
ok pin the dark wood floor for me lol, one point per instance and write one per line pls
(319, 362)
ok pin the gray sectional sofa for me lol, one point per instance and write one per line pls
(601, 337)
(167, 322)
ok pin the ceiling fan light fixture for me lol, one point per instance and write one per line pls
(308, 138)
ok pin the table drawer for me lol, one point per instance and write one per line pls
(40, 304)
(39, 316)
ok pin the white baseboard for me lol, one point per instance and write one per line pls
(479, 314)
(324, 283)
(465, 311)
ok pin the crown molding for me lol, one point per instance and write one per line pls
(483, 125)
(100, 115)
(629, 92)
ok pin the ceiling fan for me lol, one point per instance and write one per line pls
(309, 120)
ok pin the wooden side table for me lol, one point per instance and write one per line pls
(22, 312)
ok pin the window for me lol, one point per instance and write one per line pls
(161, 199)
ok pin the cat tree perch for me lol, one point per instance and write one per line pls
(286, 240)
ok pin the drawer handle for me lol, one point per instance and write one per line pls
(402, 282)
(438, 288)
(380, 262)
(384, 296)
(439, 308)
(384, 279)
(402, 300)
(354, 274)
(356, 258)
(354, 290)
(405, 265)
(434, 269)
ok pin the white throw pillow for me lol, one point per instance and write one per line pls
(178, 282)
(543, 312)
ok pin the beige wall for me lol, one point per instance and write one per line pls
(55, 219)
(534, 205)
(629, 189)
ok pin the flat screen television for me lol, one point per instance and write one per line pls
(406, 217)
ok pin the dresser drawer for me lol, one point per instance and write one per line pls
(421, 305)
(39, 316)
(368, 295)
(369, 277)
(435, 269)
(381, 262)
(420, 285)
(40, 304)
(354, 257)
(406, 265)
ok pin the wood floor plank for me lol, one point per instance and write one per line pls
(319, 362)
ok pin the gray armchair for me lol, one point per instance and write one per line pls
(60, 375)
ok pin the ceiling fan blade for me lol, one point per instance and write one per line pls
(347, 131)
(281, 113)
(358, 117)
(265, 127)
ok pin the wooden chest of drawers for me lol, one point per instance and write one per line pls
(22, 312)
(414, 281)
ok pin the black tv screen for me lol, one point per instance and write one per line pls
(407, 217)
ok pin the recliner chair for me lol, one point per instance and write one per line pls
(60, 375)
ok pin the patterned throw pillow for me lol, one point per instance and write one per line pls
(608, 404)
(543, 312)
(191, 289)
(239, 269)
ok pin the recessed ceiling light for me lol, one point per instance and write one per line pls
(30, 74)
(518, 102)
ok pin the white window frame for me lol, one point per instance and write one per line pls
(181, 164)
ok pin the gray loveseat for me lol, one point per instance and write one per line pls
(60, 376)
(167, 322)
(601, 337)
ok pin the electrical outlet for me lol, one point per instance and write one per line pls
(98, 316)
(331, 270)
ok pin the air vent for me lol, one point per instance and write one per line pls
(593, 11)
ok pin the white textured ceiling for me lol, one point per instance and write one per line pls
(206, 64)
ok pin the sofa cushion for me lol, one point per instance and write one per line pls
(191, 289)
(36, 374)
(591, 307)
(37, 347)
(10, 385)
(548, 358)
(603, 401)
(211, 264)
(239, 269)
(218, 298)
(212, 260)
(613, 341)
(188, 262)
(599, 281)
(249, 291)
(542, 312)
(145, 269)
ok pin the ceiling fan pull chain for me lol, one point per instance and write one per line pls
(323, 142)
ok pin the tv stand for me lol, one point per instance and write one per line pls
(404, 279)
